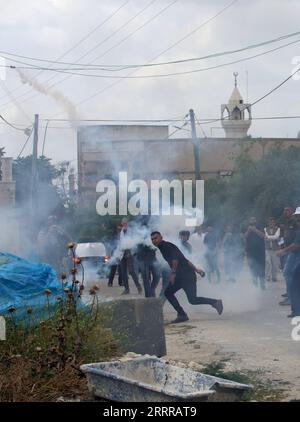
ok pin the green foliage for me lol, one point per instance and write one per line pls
(216, 192)
(86, 223)
(260, 188)
(48, 198)
(22, 175)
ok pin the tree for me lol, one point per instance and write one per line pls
(259, 188)
(49, 200)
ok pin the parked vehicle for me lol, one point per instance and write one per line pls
(93, 256)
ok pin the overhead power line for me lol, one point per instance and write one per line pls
(167, 74)
(89, 66)
(172, 119)
(18, 106)
(261, 98)
(200, 121)
(11, 125)
(26, 142)
(119, 67)
(89, 51)
(102, 23)
(160, 54)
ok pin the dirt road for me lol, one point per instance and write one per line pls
(256, 339)
(253, 334)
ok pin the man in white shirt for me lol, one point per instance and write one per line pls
(272, 235)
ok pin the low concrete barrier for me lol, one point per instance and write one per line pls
(137, 324)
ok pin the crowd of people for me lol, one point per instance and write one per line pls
(270, 251)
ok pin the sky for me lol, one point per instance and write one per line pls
(65, 30)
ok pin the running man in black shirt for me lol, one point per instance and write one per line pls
(183, 276)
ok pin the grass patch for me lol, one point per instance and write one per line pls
(262, 390)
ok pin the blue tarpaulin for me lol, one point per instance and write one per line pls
(23, 284)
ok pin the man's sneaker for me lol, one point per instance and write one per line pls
(125, 292)
(285, 302)
(180, 318)
(284, 295)
(218, 306)
(291, 315)
(140, 290)
(109, 284)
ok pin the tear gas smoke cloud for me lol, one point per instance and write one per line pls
(239, 297)
(10, 232)
(54, 94)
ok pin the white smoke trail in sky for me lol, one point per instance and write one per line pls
(53, 93)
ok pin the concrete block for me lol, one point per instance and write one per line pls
(137, 324)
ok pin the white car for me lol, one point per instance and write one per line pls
(93, 254)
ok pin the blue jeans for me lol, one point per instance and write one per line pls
(288, 270)
(165, 272)
(148, 269)
(295, 291)
(212, 265)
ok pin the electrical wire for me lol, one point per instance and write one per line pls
(172, 119)
(10, 124)
(170, 47)
(171, 74)
(82, 39)
(62, 70)
(176, 73)
(158, 55)
(199, 122)
(118, 67)
(135, 31)
(261, 98)
(24, 146)
(186, 122)
(18, 106)
(85, 54)
(201, 128)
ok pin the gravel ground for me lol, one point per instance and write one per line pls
(253, 333)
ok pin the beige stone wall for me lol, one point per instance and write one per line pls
(165, 158)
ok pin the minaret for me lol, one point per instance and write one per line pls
(233, 114)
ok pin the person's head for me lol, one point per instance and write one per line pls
(288, 212)
(184, 235)
(156, 238)
(210, 228)
(271, 222)
(198, 230)
(228, 228)
(252, 221)
(124, 223)
(119, 228)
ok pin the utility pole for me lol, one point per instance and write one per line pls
(34, 172)
(196, 147)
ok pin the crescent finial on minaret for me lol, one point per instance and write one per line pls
(235, 74)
